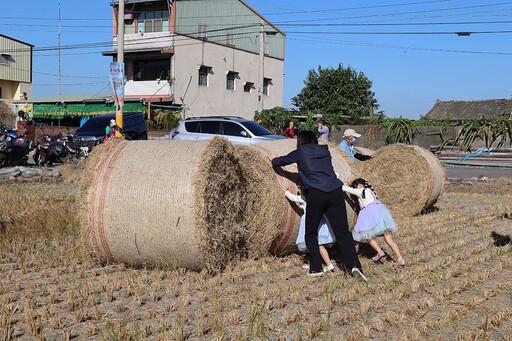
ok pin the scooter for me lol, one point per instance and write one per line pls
(13, 149)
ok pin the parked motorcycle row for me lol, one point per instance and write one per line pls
(15, 150)
(57, 150)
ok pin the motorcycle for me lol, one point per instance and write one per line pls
(61, 150)
(42, 150)
(14, 149)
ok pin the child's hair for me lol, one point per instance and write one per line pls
(361, 181)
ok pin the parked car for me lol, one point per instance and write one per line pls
(92, 132)
(236, 129)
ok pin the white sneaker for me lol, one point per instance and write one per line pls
(359, 275)
(329, 267)
(305, 266)
(316, 274)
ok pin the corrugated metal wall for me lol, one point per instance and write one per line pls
(15, 61)
(223, 18)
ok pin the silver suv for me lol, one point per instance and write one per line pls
(236, 129)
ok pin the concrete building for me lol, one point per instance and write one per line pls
(212, 57)
(15, 69)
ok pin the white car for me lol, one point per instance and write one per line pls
(236, 129)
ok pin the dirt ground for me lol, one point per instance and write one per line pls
(456, 284)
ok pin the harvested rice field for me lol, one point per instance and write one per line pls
(457, 285)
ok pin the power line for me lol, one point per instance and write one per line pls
(402, 24)
(401, 33)
(403, 48)
(398, 14)
(67, 84)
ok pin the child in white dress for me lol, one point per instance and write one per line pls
(325, 235)
(374, 220)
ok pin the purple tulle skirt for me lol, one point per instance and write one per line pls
(373, 221)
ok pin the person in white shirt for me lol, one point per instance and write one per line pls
(326, 237)
(374, 220)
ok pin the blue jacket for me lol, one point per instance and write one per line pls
(315, 167)
(348, 148)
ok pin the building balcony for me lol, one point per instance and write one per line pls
(147, 41)
(149, 90)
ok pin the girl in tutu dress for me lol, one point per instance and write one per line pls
(326, 237)
(374, 220)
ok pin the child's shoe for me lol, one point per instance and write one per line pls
(329, 268)
(378, 256)
(399, 262)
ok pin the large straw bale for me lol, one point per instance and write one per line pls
(408, 179)
(265, 200)
(284, 226)
(177, 203)
(364, 151)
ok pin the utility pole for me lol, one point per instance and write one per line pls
(261, 68)
(58, 34)
(120, 59)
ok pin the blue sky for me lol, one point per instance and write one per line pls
(408, 48)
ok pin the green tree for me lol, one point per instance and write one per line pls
(276, 119)
(341, 95)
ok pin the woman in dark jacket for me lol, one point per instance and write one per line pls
(324, 196)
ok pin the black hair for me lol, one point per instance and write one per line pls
(361, 181)
(306, 137)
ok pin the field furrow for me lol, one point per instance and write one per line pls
(456, 286)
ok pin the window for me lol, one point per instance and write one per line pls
(230, 39)
(266, 83)
(230, 80)
(192, 127)
(203, 75)
(232, 129)
(5, 59)
(210, 127)
(129, 26)
(152, 69)
(148, 22)
(202, 31)
(248, 86)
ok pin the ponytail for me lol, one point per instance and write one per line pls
(366, 184)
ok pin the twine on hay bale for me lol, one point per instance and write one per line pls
(178, 203)
(284, 221)
(408, 179)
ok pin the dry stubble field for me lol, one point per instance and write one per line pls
(456, 286)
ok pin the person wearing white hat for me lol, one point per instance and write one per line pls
(347, 145)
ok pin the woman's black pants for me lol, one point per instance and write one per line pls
(333, 206)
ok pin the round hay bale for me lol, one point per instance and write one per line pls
(346, 168)
(173, 203)
(364, 151)
(408, 179)
(265, 200)
(285, 225)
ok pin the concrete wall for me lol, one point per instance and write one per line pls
(375, 138)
